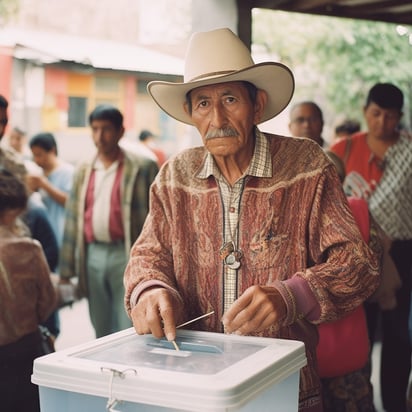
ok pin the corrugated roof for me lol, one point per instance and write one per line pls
(50, 47)
(390, 11)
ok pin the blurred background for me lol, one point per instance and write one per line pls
(59, 59)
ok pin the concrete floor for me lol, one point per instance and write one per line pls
(76, 329)
(75, 326)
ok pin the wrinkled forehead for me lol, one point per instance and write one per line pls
(305, 110)
(219, 88)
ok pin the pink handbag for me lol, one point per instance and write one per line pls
(344, 344)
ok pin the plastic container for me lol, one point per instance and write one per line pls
(211, 372)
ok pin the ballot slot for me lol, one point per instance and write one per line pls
(205, 356)
(184, 345)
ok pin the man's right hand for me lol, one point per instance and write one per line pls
(156, 312)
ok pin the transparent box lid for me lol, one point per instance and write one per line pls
(205, 355)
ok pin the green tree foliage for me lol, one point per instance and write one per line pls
(337, 60)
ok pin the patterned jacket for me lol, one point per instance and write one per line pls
(27, 296)
(138, 174)
(296, 223)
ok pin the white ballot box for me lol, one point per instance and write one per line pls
(210, 372)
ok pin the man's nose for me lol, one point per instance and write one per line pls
(219, 117)
(98, 134)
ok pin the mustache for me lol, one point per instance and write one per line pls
(222, 132)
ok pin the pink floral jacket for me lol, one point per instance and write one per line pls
(297, 223)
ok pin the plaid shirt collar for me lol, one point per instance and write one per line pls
(260, 164)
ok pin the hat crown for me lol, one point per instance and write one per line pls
(215, 53)
(216, 57)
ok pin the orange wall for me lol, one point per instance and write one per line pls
(56, 85)
(80, 84)
(6, 62)
(59, 84)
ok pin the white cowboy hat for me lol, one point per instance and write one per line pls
(219, 56)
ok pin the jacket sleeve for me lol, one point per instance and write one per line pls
(47, 298)
(151, 251)
(343, 270)
(67, 256)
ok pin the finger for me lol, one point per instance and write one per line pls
(256, 324)
(254, 311)
(244, 308)
(237, 306)
(145, 315)
(154, 321)
(139, 321)
(154, 313)
(249, 319)
(169, 324)
(166, 314)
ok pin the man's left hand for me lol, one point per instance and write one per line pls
(257, 309)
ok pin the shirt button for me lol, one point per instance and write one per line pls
(232, 209)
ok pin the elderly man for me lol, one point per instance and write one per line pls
(253, 226)
(306, 120)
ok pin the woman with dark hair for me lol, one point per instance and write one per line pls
(27, 297)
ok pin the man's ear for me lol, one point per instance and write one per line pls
(122, 131)
(187, 109)
(260, 104)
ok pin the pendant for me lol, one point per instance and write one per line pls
(233, 259)
(226, 250)
(230, 259)
(235, 265)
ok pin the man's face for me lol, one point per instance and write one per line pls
(225, 116)
(42, 157)
(17, 141)
(306, 122)
(3, 121)
(382, 123)
(106, 136)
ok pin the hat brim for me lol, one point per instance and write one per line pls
(275, 78)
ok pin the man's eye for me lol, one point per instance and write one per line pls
(230, 99)
(203, 104)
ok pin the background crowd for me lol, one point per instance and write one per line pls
(80, 222)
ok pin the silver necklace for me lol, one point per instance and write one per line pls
(229, 252)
